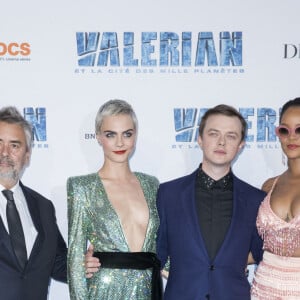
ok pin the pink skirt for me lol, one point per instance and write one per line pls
(276, 278)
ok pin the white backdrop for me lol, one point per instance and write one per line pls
(41, 67)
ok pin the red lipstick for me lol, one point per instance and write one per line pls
(292, 146)
(120, 152)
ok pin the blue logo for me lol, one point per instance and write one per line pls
(261, 123)
(37, 118)
(159, 49)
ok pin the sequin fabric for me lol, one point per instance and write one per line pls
(278, 274)
(92, 218)
(277, 278)
(280, 237)
(208, 183)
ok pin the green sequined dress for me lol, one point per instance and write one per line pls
(91, 217)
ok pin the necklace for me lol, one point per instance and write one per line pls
(287, 218)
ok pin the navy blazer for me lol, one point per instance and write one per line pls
(47, 258)
(192, 275)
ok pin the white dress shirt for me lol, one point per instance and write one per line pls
(21, 204)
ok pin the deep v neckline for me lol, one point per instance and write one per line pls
(272, 211)
(117, 216)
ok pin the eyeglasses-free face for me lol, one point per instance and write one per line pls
(284, 131)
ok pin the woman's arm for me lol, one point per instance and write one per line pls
(77, 243)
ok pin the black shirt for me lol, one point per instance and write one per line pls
(214, 201)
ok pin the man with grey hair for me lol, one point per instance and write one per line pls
(32, 249)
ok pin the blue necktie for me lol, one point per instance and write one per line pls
(15, 228)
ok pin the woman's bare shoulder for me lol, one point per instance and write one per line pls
(267, 185)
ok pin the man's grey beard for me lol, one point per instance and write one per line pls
(12, 175)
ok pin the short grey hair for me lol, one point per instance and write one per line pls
(113, 108)
(11, 115)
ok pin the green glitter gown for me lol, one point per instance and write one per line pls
(92, 218)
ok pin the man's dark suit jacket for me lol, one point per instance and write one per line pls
(47, 258)
(192, 275)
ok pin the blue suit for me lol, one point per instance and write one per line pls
(192, 275)
(47, 259)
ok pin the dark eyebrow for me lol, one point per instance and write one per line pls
(111, 131)
(297, 125)
(13, 141)
(229, 132)
(16, 142)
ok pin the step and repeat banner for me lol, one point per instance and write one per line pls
(172, 60)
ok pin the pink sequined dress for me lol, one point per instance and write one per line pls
(278, 275)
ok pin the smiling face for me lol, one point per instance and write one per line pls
(220, 141)
(117, 136)
(291, 143)
(14, 155)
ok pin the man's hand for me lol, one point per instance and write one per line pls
(91, 263)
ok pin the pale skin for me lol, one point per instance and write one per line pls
(221, 142)
(14, 155)
(117, 137)
(285, 198)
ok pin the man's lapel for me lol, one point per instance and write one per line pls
(190, 212)
(238, 211)
(33, 207)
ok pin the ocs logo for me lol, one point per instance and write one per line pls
(15, 49)
(37, 118)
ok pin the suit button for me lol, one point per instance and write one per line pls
(212, 267)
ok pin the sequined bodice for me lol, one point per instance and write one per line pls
(280, 237)
(92, 217)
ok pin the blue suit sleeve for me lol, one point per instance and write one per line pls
(59, 270)
(256, 246)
